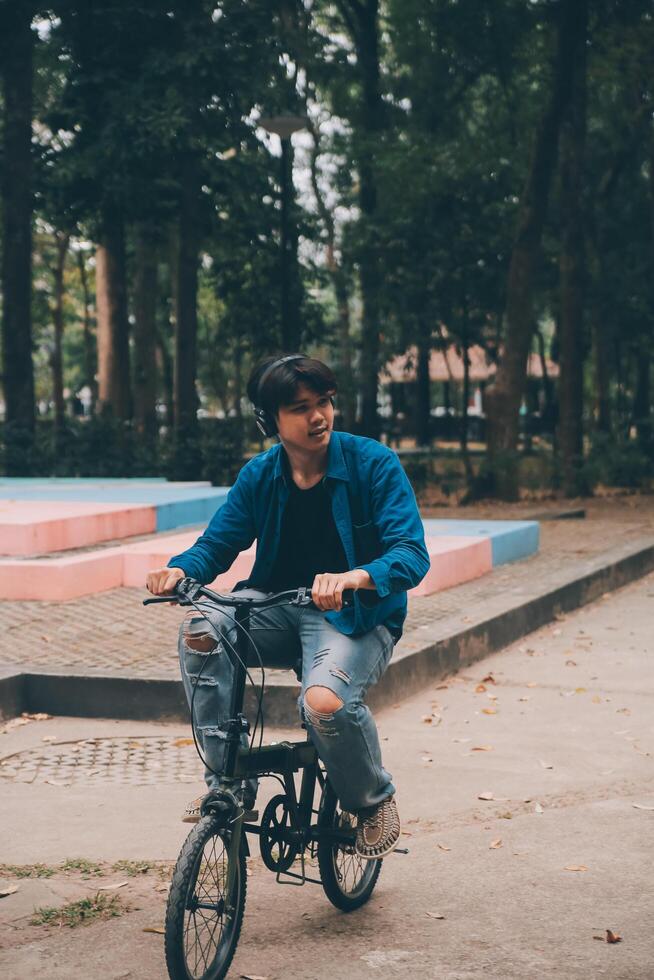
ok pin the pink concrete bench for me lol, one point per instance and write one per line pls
(30, 527)
(454, 560)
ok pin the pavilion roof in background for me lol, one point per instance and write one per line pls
(448, 366)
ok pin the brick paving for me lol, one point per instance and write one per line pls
(112, 633)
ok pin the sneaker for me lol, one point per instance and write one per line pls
(193, 811)
(378, 832)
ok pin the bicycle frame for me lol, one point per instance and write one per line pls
(283, 758)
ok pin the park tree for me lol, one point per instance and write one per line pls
(504, 397)
(16, 59)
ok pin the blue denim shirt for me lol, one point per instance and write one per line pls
(375, 513)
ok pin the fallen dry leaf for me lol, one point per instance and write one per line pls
(8, 890)
(55, 782)
(163, 887)
(532, 684)
(622, 711)
(580, 690)
(575, 867)
(495, 844)
(481, 748)
(538, 808)
(571, 663)
(493, 697)
(556, 632)
(480, 688)
(14, 723)
(442, 687)
(112, 888)
(134, 744)
(546, 765)
(443, 847)
(489, 711)
(49, 738)
(36, 716)
(461, 740)
(179, 742)
(525, 697)
(252, 976)
(158, 929)
(486, 796)
(613, 937)
(427, 719)
(596, 699)
(489, 679)
(642, 806)
(435, 915)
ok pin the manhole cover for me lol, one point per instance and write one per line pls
(140, 761)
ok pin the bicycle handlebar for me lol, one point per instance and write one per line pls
(187, 591)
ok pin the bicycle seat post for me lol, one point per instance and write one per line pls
(238, 723)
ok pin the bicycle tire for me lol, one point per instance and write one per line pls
(348, 881)
(183, 915)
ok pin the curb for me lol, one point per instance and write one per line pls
(120, 696)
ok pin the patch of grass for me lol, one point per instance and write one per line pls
(133, 868)
(79, 913)
(26, 871)
(82, 865)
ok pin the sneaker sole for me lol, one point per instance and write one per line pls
(378, 856)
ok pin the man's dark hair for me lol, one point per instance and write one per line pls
(280, 385)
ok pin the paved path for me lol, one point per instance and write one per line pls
(566, 728)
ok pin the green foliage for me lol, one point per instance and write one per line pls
(618, 464)
(82, 912)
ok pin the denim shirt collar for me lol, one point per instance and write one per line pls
(336, 466)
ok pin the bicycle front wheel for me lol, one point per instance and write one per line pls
(346, 878)
(203, 923)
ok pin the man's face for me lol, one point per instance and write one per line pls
(307, 422)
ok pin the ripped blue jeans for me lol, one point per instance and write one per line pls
(346, 739)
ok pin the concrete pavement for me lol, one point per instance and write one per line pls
(560, 747)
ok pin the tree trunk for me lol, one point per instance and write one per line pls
(166, 365)
(145, 311)
(464, 414)
(572, 274)
(112, 334)
(504, 396)
(16, 45)
(643, 399)
(423, 419)
(90, 354)
(186, 461)
(361, 20)
(346, 391)
(58, 321)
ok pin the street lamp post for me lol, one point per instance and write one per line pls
(284, 127)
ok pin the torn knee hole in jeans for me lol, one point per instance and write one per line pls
(319, 720)
(200, 680)
(197, 638)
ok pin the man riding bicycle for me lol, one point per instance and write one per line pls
(332, 512)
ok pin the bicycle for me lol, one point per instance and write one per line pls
(206, 901)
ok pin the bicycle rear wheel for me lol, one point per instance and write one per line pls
(347, 879)
(202, 926)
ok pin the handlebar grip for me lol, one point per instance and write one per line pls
(161, 598)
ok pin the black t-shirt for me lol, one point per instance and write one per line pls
(309, 542)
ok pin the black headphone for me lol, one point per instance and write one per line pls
(265, 422)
